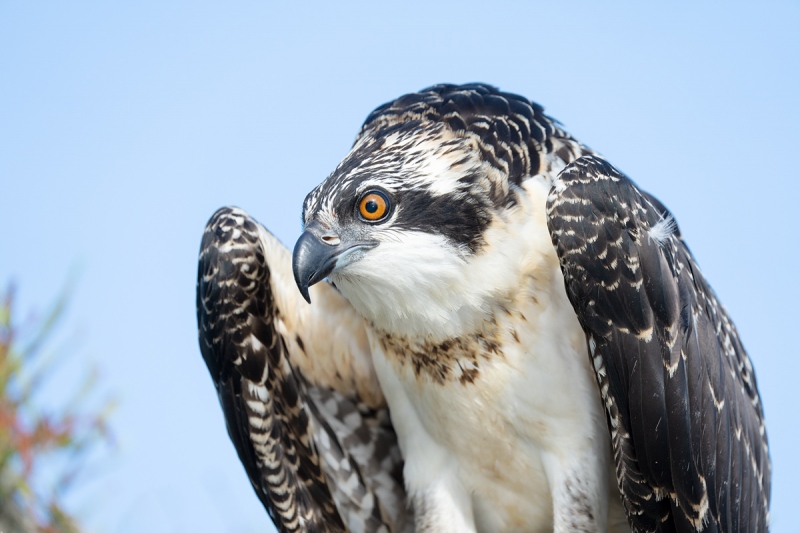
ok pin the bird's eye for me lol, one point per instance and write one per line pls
(373, 206)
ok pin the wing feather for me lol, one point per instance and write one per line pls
(681, 399)
(296, 385)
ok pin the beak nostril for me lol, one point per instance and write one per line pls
(332, 240)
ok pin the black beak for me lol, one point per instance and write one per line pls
(315, 256)
(312, 258)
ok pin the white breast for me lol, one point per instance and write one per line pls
(529, 416)
(484, 367)
(523, 445)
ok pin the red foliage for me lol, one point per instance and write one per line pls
(32, 439)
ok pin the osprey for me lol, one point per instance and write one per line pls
(550, 353)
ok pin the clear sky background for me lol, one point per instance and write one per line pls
(123, 126)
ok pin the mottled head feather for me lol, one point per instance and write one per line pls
(511, 130)
(449, 156)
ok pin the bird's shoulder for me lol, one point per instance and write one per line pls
(301, 400)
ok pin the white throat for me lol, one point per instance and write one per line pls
(418, 286)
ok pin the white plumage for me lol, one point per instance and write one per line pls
(493, 448)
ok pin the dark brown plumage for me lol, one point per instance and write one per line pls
(683, 408)
(294, 432)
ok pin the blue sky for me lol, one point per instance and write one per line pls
(123, 126)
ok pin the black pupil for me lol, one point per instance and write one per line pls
(371, 206)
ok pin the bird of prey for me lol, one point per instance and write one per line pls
(513, 337)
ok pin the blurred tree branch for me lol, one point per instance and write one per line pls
(41, 450)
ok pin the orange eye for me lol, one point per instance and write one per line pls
(373, 206)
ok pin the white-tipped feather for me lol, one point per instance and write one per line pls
(663, 230)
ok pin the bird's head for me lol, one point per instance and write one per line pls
(399, 225)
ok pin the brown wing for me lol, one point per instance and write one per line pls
(296, 385)
(680, 394)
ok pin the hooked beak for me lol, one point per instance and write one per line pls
(317, 253)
